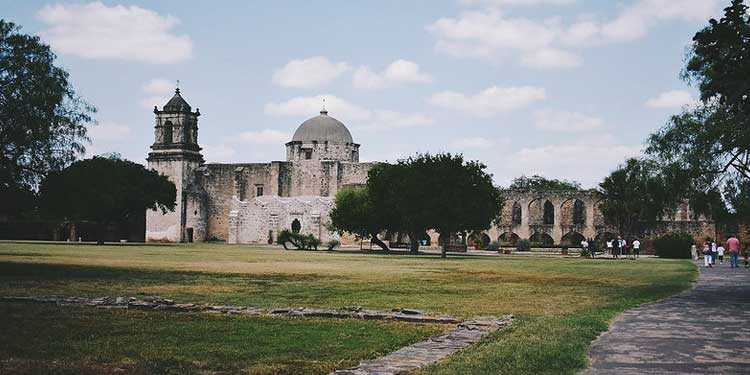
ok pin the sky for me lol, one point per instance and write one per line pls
(563, 88)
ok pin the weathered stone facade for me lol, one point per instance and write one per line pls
(250, 202)
(567, 217)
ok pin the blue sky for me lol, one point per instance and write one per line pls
(563, 88)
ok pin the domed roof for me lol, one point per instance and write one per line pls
(177, 103)
(322, 128)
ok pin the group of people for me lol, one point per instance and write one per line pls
(712, 251)
(617, 247)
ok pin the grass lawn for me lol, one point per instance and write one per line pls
(560, 304)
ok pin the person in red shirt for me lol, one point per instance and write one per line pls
(733, 246)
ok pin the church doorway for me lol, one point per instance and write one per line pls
(189, 234)
(296, 226)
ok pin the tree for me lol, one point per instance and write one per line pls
(105, 190)
(711, 142)
(636, 193)
(539, 183)
(354, 213)
(439, 192)
(42, 120)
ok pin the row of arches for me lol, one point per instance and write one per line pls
(542, 212)
(540, 238)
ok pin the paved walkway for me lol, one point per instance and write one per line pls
(705, 330)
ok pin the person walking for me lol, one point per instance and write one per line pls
(733, 246)
(610, 248)
(720, 253)
(592, 247)
(694, 250)
(636, 248)
(714, 253)
(707, 255)
(585, 246)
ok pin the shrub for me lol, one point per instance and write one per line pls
(523, 245)
(585, 253)
(494, 246)
(332, 244)
(299, 241)
(674, 246)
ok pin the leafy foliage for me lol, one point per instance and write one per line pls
(523, 245)
(105, 190)
(354, 213)
(637, 193)
(441, 192)
(539, 183)
(493, 246)
(710, 144)
(299, 241)
(674, 246)
(42, 120)
(332, 244)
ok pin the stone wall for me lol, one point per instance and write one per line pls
(259, 220)
(299, 151)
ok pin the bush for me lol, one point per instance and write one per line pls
(299, 241)
(674, 246)
(332, 244)
(523, 245)
(585, 253)
(494, 246)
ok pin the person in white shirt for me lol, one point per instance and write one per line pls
(720, 250)
(636, 248)
(610, 248)
(584, 244)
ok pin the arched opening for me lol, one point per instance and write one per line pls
(167, 133)
(516, 220)
(541, 239)
(296, 226)
(549, 213)
(479, 240)
(603, 237)
(579, 212)
(508, 239)
(572, 239)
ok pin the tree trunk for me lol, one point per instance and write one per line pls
(414, 238)
(377, 241)
(102, 233)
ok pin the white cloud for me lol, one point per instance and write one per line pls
(571, 161)
(350, 114)
(551, 43)
(130, 33)
(158, 90)
(674, 99)
(490, 101)
(470, 143)
(308, 106)
(635, 22)
(264, 137)
(308, 73)
(108, 132)
(566, 121)
(219, 153)
(551, 58)
(517, 3)
(397, 72)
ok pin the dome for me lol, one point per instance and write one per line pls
(322, 128)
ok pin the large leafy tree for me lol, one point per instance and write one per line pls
(354, 213)
(42, 120)
(636, 193)
(539, 183)
(711, 142)
(442, 192)
(105, 190)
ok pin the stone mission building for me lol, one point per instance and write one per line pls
(250, 202)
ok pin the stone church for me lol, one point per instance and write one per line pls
(253, 202)
(250, 202)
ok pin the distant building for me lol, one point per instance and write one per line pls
(250, 202)
(253, 202)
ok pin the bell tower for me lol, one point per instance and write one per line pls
(175, 154)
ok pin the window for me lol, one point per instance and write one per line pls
(167, 135)
(549, 213)
(308, 154)
(258, 191)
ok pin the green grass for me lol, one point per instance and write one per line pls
(49, 339)
(560, 304)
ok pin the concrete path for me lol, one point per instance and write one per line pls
(705, 330)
